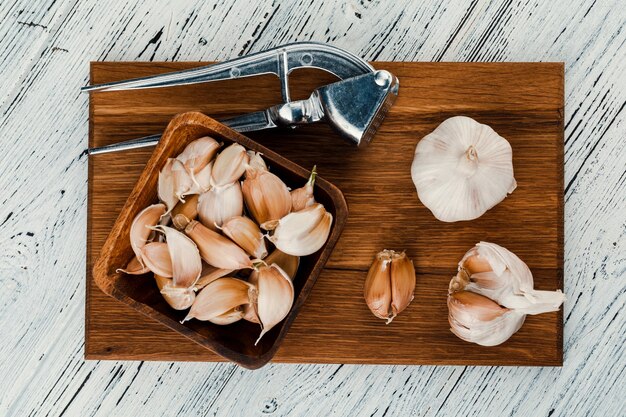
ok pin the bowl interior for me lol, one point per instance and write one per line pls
(236, 341)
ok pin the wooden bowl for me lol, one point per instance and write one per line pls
(236, 341)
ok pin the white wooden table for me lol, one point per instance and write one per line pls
(45, 48)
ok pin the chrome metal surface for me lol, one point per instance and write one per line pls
(354, 108)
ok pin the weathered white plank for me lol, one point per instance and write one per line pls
(43, 61)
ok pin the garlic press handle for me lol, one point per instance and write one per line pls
(279, 61)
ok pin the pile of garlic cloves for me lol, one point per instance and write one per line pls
(491, 295)
(226, 238)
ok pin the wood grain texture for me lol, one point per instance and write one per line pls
(46, 47)
(523, 102)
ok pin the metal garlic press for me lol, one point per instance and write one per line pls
(354, 107)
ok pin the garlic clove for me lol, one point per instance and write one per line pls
(202, 180)
(256, 164)
(303, 232)
(267, 198)
(220, 204)
(140, 229)
(250, 314)
(197, 154)
(178, 298)
(134, 267)
(245, 233)
(287, 263)
(186, 262)
(210, 274)
(229, 165)
(302, 197)
(216, 249)
(231, 316)
(219, 297)
(275, 294)
(477, 319)
(402, 283)
(185, 212)
(165, 188)
(462, 169)
(181, 179)
(377, 290)
(156, 256)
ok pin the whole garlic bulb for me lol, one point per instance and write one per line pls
(462, 169)
(491, 295)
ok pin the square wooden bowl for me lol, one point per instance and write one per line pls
(236, 341)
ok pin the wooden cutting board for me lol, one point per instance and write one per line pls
(523, 102)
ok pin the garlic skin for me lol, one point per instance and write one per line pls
(157, 258)
(181, 179)
(302, 197)
(462, 169)
(197, 155)
(256, 163)
(275, 297)
(494, 275)
(245, 233)
(220, 204)
(389, 285)
(165, 188)
(220, 297)
(185, 212)
(304, 232)
(231, 316)
(134, 267)
(229, 165)
(202, 180)
(267, 197)
(208, 275)
(140, 229)
(216, 249)
(184, 255)
(178, 298)
(287, 263)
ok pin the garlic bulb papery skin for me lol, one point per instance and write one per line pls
(220, 204)
(462, 169)
(184, 255)
(303, 232)
(197, 154)
(140, 229)
(267, 197)
(275, 294)
(499, 276)
(220, 297)
(178, 298)
(302, 197)
(229, 165)
(245, 233)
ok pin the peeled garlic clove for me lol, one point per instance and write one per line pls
(220, 204)
(134, 267)
(156, 256)
(477, 319)
(182, 180)
(198, 154)
(287, 263)
(166, 186)
(256, 164)
(275, 297)
(303, 197)
(210, 274)
(462, 169)
(178, 298)
(229, 165)
(219, 297)
(202, 180)
(216, 249)
(231, 316)
(140, 229)
(402, 282)
(377, 291)
(303, 232)
(185, 212)
(186, 262)
(245, 233)
(267, 197)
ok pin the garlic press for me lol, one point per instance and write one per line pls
(354, 107)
